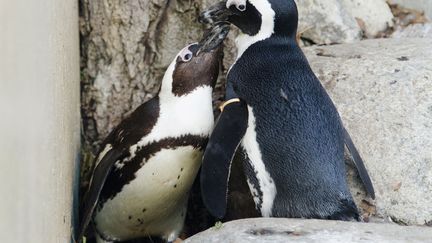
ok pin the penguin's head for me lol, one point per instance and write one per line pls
(193, 67)
(256, 17)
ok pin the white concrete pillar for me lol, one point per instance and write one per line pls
(39, 119)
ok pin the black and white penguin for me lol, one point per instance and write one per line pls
(280, 120)
(148, 163)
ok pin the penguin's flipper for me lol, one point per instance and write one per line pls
(100, 174)
(358, 161)
(223, 143)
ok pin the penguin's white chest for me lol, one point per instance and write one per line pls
(154, 203)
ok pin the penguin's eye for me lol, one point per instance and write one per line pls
(241, 7)
(239, 4)
(186, 55)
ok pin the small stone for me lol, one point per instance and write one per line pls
(218, 225)
(396, 186)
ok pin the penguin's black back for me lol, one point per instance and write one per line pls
(298, 128)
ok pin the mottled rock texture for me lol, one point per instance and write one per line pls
(342, 21)
(421, 5)
(382, 89)
(327, 22)
(265, 230)
(373, 16)
(415, 30)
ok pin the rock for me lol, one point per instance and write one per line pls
(415, 30)
(342, 21)
(326, 22)
(374, 14)
(407, 16)
(421, 5)
(269, 230)
(382, 89)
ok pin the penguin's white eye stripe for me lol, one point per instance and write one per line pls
(240, 4)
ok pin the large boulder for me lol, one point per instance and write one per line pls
(326, 22)
(270, 230)
(342, 21)
(373, 16)
(383, 91)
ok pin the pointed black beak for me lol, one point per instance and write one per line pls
(216, 17)
(214, 37)
(215, 14)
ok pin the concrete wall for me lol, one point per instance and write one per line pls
(39, 119)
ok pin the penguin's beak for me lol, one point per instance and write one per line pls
(217, 18)
(215, 14)
(214, 37)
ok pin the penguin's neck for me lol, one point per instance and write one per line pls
(181, 116)
(185, 115)
(191, 113)
(198, 98)
(244, 41)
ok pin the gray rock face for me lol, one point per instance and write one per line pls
(374, 14)
(267, 230)
(415, 30)
(326, 22)
(342, 21)
(421, 5)
(383, 91)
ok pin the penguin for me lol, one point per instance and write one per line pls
(143, 174)
(279, 120)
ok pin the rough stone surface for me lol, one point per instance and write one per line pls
(415, 30)
(326, 22)
(382, 89)
(342, 21)
(375, 15)
(421, 5)
(269, 230)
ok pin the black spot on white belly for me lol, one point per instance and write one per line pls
(119, 177)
